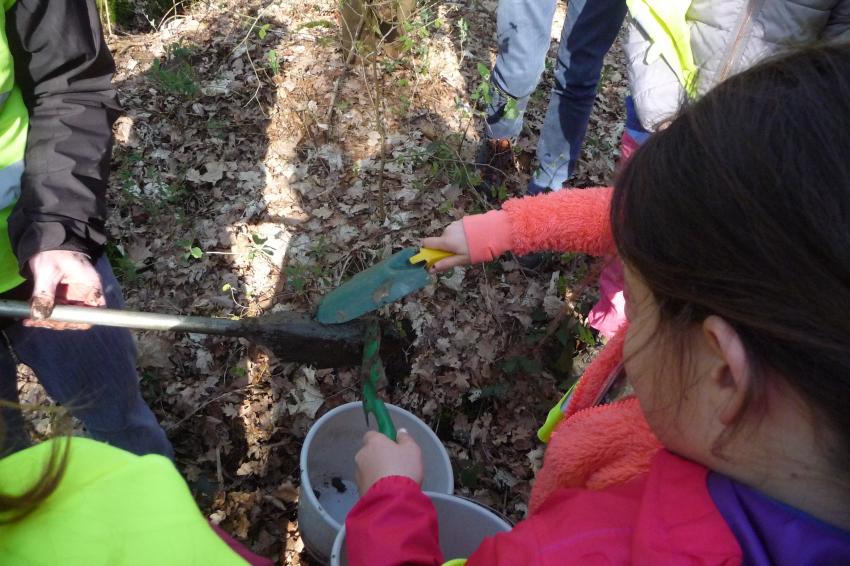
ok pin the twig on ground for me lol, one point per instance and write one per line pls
(219, 473)
(339, 80)
(382, 130)
(259, 85)
(569, 308)
(200, 407)
(108, 17)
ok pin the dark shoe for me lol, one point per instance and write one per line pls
(495, 160)
(535, 189)
(532, 263)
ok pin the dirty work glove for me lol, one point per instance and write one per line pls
(64, 277)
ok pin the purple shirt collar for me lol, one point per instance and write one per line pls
(772, 533)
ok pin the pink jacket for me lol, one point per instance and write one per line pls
(593, 447)
(608, 493)
(664, 517)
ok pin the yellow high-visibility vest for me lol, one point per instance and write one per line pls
(14, 122)
(665, 23)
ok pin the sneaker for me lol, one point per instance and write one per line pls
(495, 160)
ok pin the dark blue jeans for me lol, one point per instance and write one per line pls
(90, 372)
(523, 28)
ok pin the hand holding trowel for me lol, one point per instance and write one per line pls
(386, 282)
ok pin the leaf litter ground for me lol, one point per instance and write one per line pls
(233, 195)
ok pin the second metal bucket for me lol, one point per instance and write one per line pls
(463, 525)
(328, 491)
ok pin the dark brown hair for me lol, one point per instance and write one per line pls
(15, 507)
(741, 208)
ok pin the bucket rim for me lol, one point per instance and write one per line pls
(336, 550)
(471, 503)
(358, 405)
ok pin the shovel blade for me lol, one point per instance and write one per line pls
(369, 290)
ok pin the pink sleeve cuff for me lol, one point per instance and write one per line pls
(393, 523)
(487, 235)
(393, 484)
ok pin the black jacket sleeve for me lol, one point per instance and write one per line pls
(65, 71)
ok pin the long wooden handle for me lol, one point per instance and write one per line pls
(129, 319)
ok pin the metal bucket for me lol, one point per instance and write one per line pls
(463, 524)
(328, 491)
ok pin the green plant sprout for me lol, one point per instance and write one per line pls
(190, 250)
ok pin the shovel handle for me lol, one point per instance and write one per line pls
(373, 372)
(372, 404)
(293, 337)
(430, 256)
(126, 319)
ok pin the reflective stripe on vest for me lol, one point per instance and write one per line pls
(14, 121)
(666, 24)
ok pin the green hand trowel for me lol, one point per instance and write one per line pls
(386, 282)
(390, 280)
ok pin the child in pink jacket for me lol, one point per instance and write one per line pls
(734, 444)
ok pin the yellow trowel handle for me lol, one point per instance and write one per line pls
(430, 256)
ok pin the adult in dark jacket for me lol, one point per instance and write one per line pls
(57, 107)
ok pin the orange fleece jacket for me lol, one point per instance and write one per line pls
(574, 220)
(594, 446)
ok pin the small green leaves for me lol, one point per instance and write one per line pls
(511, 111)
(585, 334)
(190, 250)
(463, 30)
(273, 61)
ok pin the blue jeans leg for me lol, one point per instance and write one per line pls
(589, 30)
(93, 374)
(633, 126)
(522, 30)
(13, 436)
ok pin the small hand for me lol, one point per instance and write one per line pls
(453, 239)
(381, 457)
(64, 277)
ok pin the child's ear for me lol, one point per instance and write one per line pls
(730, 377)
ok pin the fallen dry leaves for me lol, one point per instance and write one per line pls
(231, 196)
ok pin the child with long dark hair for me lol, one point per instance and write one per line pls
(76, 501)
(732, 444)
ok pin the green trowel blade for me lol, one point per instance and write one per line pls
(381, 284)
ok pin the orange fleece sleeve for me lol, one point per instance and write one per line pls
(571, 220)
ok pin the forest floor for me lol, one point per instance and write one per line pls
(234, 194)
